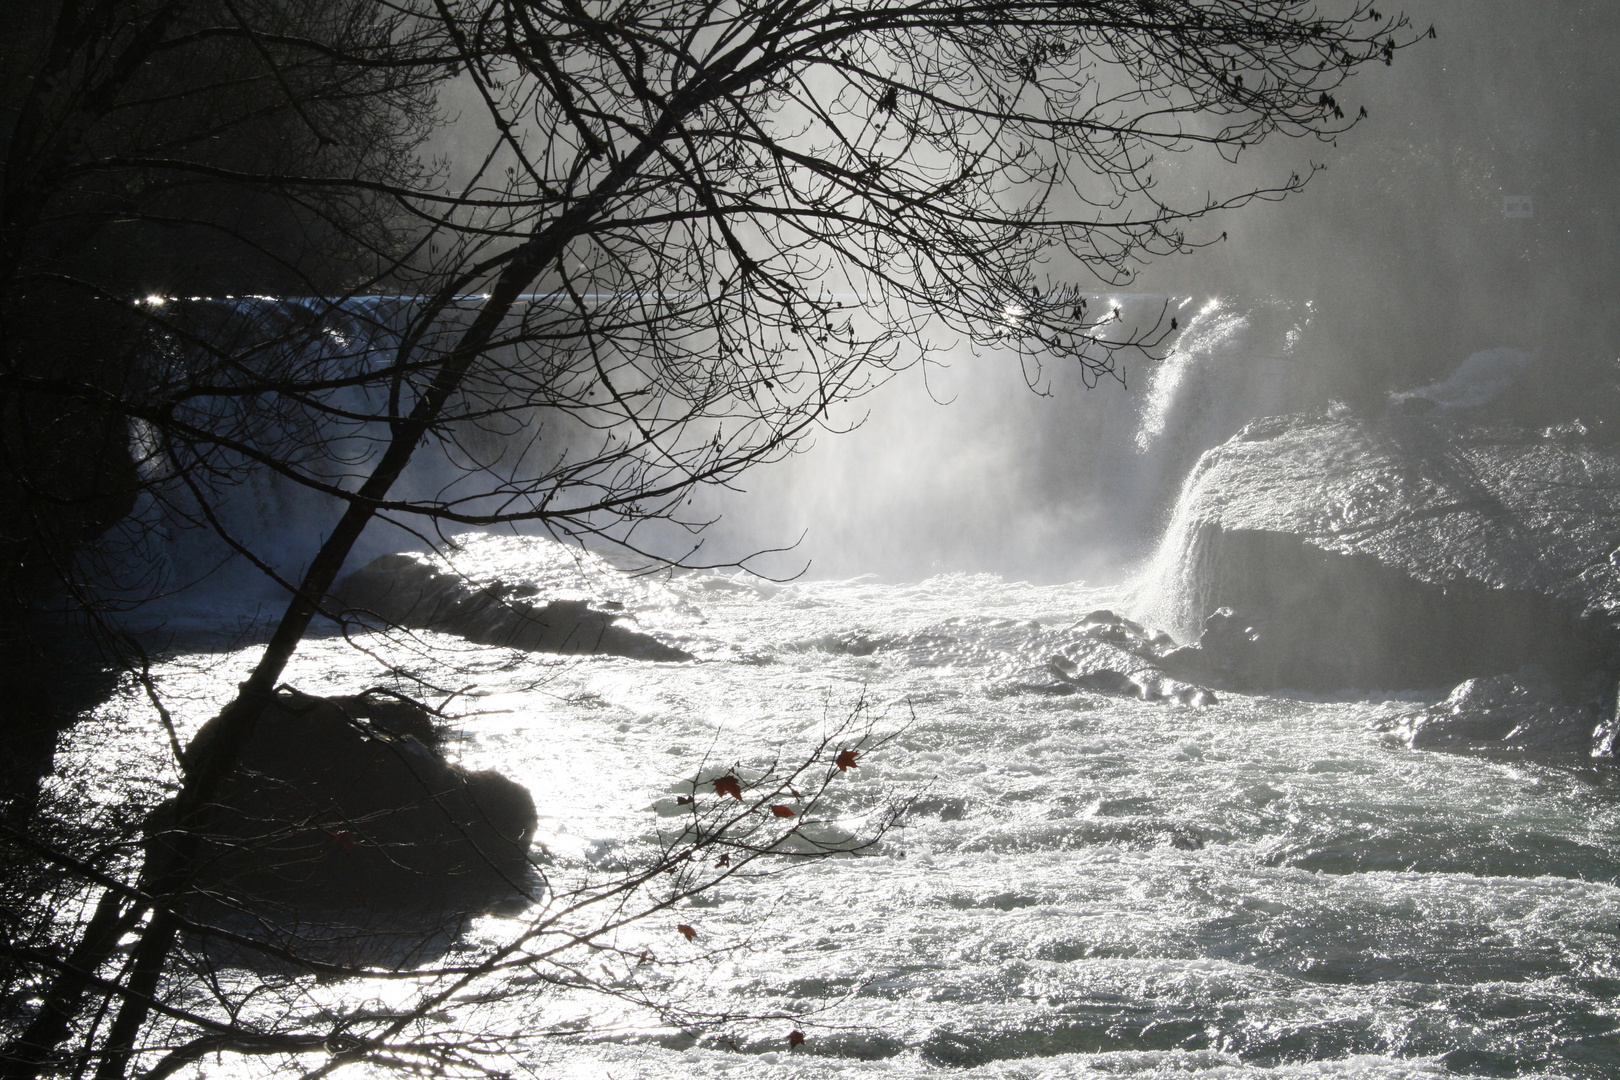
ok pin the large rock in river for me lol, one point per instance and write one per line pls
(411, 591)
(346, 803)
(1523, 712)
(1404, 551)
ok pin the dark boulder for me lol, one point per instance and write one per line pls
(347, 803)
(1525, 712)
(409, 591)
(1227, 653)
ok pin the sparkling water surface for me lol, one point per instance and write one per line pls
(1083, 885)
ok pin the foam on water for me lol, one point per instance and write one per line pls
(1084, 885)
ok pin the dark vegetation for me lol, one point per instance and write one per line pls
(670, 237)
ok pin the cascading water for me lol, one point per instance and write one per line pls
(1171, 588)
(198, 529)
(1078, 483)
(1087, 885)
(1233, 363)
(1001, 480)
(1175, 588)
(207, 533)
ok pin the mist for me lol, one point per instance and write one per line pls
(1471, 209)
(1205, 667)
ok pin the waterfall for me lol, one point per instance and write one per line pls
(172, 549)
(1233, 362)
(1079, 483)
(1170, 591)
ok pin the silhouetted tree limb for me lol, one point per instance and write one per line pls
(689, 232)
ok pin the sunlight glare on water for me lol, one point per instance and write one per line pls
(1084, 885)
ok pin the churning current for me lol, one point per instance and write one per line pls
(1081, 884)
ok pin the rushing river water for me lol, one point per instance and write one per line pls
(1080, 884)
(1084, 885)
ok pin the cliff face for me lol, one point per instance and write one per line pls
(1404, 551)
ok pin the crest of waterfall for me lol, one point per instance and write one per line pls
(1001, 476)
(213, 522)
(1232, 362)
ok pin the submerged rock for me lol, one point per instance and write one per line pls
(1112, 655)
(1524, 712)
(1145, 683)
(347, 803)
(1399, 552)
(409, 591)
(1133, 637)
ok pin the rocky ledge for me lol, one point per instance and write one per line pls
(1406, 551)
(410, 591)
(1524, 712)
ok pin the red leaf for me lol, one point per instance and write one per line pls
(686, 931)
(683, 800)
(341, 839)
(795, 1038)
(728, 785)
(724, 860)
(846, 760)
(781, 811)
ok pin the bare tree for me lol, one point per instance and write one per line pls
(689, 230)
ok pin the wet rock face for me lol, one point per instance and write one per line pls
(1117, 656)
(347, 803)
(1226, 654)
(1293, 616)
(408, 591)
(1525, 712)
(1400, 552)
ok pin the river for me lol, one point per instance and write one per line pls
(1083, 885)
(1057, 883)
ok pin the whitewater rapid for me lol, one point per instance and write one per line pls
(1084, 886)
